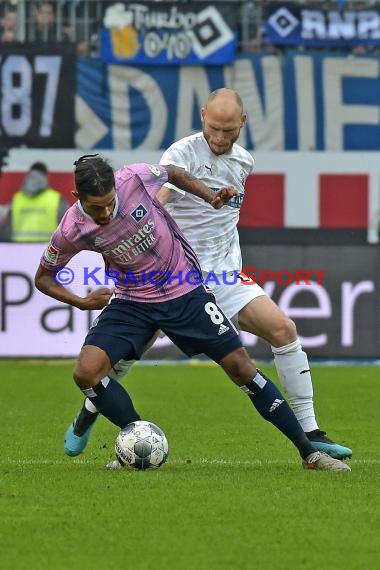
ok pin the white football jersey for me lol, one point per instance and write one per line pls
(212, 233)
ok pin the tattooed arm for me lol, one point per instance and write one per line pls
(186, 181)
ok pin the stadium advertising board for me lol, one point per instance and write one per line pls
(32, 324)
(299, 101)
(339, 317)
(297, 24)
(38, 86)
(169, 33)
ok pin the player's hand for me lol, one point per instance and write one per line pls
(222, 196)
(97, 299)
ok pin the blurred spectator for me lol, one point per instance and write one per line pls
(8, 26)
(360, 50)
(9, 20)
(44, 26)
(8, 36)
(35, 210)
(82, 21)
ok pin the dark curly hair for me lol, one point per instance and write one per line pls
(93, 176)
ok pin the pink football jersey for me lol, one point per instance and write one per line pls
(142, 246)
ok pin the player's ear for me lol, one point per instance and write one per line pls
(75, 193)
(243, 119)
(203, 114)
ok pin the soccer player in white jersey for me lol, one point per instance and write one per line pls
(214, 156)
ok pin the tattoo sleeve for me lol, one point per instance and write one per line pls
(186, 181)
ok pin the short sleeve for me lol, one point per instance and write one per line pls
(152, 176)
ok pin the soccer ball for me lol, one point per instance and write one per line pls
(141, 445)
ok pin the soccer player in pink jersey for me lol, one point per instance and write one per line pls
(158, 287)
(214, 156)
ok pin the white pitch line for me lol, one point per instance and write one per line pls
(199, 461)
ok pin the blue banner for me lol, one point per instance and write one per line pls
(299, 25)
(168, 33)
(299, 101)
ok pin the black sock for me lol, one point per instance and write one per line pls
(273, 407)
(113, 402)
(84, 420)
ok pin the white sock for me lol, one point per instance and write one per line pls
(294, 372)
(90, 406)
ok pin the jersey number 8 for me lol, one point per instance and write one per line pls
(215, 315)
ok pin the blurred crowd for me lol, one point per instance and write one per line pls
(79, 21)
(75, 21)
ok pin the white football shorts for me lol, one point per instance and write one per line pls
(232, 294)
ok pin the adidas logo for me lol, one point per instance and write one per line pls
(275, 405)
(223, 329)
(98, 241)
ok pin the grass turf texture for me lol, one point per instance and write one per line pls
(232, 496)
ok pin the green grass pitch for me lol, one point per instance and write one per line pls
(232, 496)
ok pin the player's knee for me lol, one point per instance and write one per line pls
(86, 376)
(92, 365)
(81, 376)
(283, 332)
(239, 367)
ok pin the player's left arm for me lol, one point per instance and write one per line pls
(163, 195)
(186, 181)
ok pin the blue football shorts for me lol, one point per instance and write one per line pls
(194, 322)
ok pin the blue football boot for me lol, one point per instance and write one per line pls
(78, 433)
(325, 445)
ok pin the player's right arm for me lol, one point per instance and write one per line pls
(181, 155)
(46, 282)
(56, 256)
